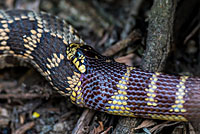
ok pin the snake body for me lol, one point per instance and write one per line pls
(91, 80)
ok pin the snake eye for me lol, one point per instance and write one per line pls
(79, 54)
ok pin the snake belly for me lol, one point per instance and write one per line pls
(91, 80)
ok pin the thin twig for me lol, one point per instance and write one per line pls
(83, 121)
(23, 96)
(192, 33)
(134, 36)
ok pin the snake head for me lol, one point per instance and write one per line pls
(89, 53)
(72, 49)
(80, 55)
(76, 53)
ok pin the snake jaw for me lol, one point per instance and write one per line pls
(71, 50)
(77, 58)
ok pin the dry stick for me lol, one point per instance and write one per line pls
(4, 121)
(192, 33)
(134, 36)
(23, 96)
(158, 46)
(24, 128)
(162, 125)
(83, 122)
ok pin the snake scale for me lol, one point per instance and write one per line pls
(91, 80)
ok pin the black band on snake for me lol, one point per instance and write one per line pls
(90, 79)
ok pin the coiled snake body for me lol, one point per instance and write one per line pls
(90, 79)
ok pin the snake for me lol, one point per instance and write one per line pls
(91, 80)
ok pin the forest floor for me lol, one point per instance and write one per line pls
(28, 104)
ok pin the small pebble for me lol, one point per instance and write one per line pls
(58, 127)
